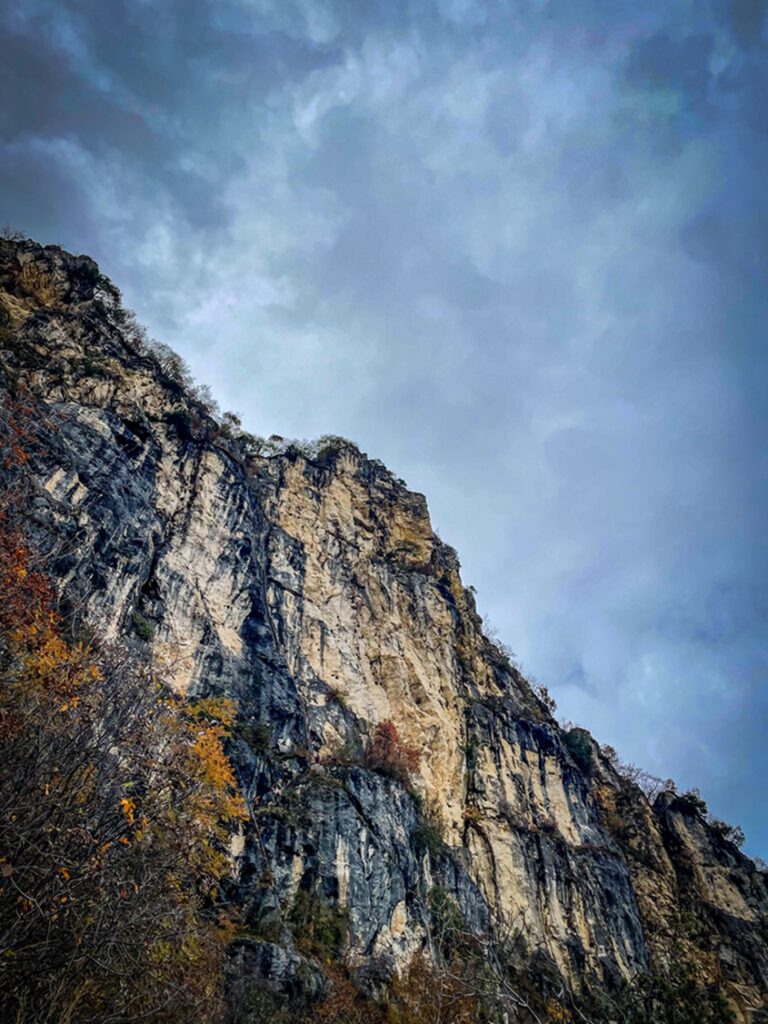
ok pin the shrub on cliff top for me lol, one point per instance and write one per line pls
(731, 833)
(689, 803)
(542, 692)
(578, 744)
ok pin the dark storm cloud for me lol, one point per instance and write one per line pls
(516, 249)
(747, 21)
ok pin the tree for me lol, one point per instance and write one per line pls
(732, 833)
(116, 804)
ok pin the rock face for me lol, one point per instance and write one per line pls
(308, 584)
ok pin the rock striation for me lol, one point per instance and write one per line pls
(306, 582)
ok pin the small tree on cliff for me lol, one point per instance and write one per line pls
(389, 755)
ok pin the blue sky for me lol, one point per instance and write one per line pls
(517, 250)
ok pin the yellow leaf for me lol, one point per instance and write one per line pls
(128, 807)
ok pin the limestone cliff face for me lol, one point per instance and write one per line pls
(308, 584)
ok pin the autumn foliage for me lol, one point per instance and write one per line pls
(388, 754)
(116, 807)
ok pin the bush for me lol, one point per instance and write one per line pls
(651, 785)
(388, 755)
(257, 735)
(578, 743)
(89, 367)
(319, 927)
(543, 694)
(336, 695)
(501, 649)
(344, 1002)
(89, 272)
(144, 628)
(689, 804)
(448, 926)
(170, 363)
(346, 754)
(427, 837)
(673, 996)
(181, 421)
(470, 753)
(731, 833)
(426, 993)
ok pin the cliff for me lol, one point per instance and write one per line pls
(306, 582)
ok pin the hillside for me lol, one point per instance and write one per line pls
(412, 802)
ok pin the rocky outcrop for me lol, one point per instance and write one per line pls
(307, 583)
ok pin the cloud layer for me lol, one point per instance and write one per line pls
(516, 249)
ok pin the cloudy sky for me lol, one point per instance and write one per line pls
(517, 249)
